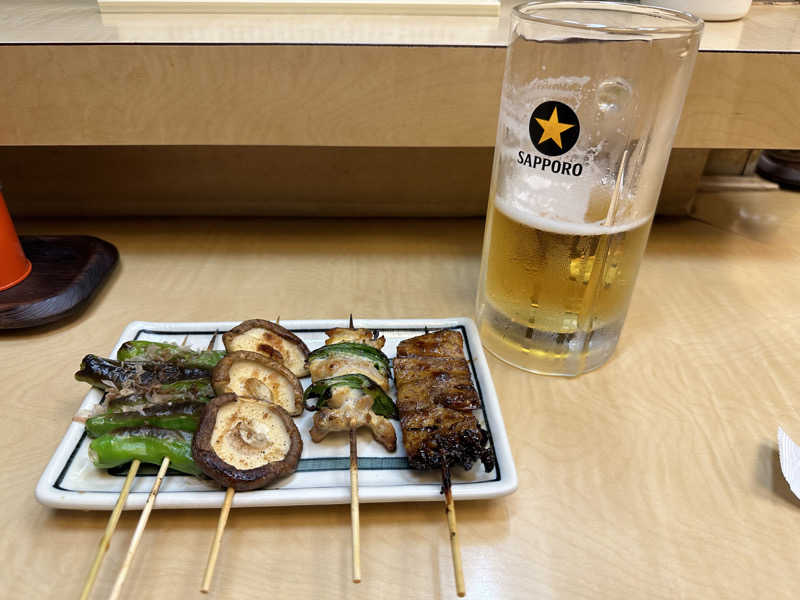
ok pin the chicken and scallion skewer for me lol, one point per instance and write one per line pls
(350, 378)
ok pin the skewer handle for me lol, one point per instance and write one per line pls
(455, 547)
(137, 534)
(355, 519)
(111, 526)
(212, 555)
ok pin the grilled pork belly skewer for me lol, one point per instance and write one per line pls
(435, 397)
(254, 370)
(148, 507)
(350, 377)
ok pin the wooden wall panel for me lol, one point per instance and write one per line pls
(317, 95)
(261, 180)
(274, 181)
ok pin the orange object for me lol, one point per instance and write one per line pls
(14, 265)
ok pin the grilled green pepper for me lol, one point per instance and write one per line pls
(323, 389)
(130, 402)
(196, 390)
(140, 350)
(182, 416)
(105, 373)
(147, 444)
(378, 358)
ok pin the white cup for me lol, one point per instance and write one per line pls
(708, 10)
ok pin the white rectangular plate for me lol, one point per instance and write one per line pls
(322, 477)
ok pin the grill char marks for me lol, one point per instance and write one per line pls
(435, 381)
(434, 397)
(446, 343)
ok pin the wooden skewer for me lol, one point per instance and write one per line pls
(223, 520)
(137, 534)
(213, 340)
(113, 520)
(455, 547)
(355, 520)
(212, 555)
(211, 564)
(111, 526)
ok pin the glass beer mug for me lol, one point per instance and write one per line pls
(592, 93)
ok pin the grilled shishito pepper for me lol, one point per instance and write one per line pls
(182, 416)
(140, 350)
(198, 390)
(105, 373)
(323, 389)
(147, 444)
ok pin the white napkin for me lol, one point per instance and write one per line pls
(790, 460)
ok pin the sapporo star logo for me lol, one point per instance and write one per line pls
(554, 128)
(551, 128)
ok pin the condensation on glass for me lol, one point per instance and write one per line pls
(592, 93)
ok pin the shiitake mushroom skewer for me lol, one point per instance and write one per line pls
(243, 444)
(254, 368)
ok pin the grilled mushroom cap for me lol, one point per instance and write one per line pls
(253, 375)
(264, 337)
(245, 443)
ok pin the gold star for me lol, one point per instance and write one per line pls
(552, 129)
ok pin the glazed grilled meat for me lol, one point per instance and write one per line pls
(443, 436)
(428, 382)
(434, 397)
(446, 343)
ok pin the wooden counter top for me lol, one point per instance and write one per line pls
(654, 477)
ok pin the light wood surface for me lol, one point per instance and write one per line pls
(320, 95)
(653, 477)
(70, 78)
(111, 527)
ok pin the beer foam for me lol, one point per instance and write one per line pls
(522, 214)
(562, 200)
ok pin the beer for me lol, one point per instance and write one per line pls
(554, 294)
(590, 102)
